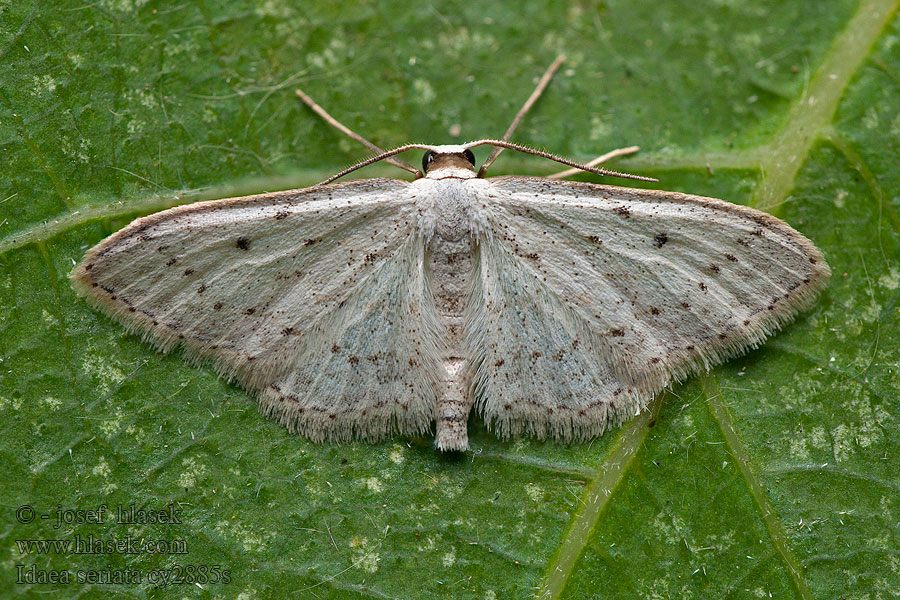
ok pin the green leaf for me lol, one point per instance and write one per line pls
(775, 475)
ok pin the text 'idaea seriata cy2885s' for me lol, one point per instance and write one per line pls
(370, 308)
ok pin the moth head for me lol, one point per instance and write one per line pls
(448, 156)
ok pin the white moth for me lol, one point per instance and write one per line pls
(376, 307)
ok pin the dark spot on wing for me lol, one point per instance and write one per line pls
(310, 241)
(654, 310)
(731, 257)
(617, 332)
(202, 288)
(335, 348)
(287, 331)
(217, 306)
(622, 210)
(715, 268)
(660, 240)
(243, 243)
(352, 359)
(595, 239)
(250, 310)
(171, 261)
(281, 214)
(188, 272)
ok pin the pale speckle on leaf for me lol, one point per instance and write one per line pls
(43, 84)
(397, 454)
(449, 558)
(15, 403)
(136, 126)
(534, 491)
(668, 528)
(424, 93)
(105, 374)
(891, 279)
(364, 557)
(103, 470)
(110, 427)
(51, 403)
(194, 470)
(798, 448)
(840, 198)
(252, 540)
(842, 442)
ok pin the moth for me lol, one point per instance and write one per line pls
(371, 308)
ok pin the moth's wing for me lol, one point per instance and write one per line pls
(593, 298)
(313, 299)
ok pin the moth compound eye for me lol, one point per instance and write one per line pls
(469, 157)
(427, 158)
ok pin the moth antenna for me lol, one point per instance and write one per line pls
(379, 157)
(596, 161)
(559, 159)
(397, 162)
(541, 86)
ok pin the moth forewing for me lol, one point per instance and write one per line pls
(618, 292)
(303, 297)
